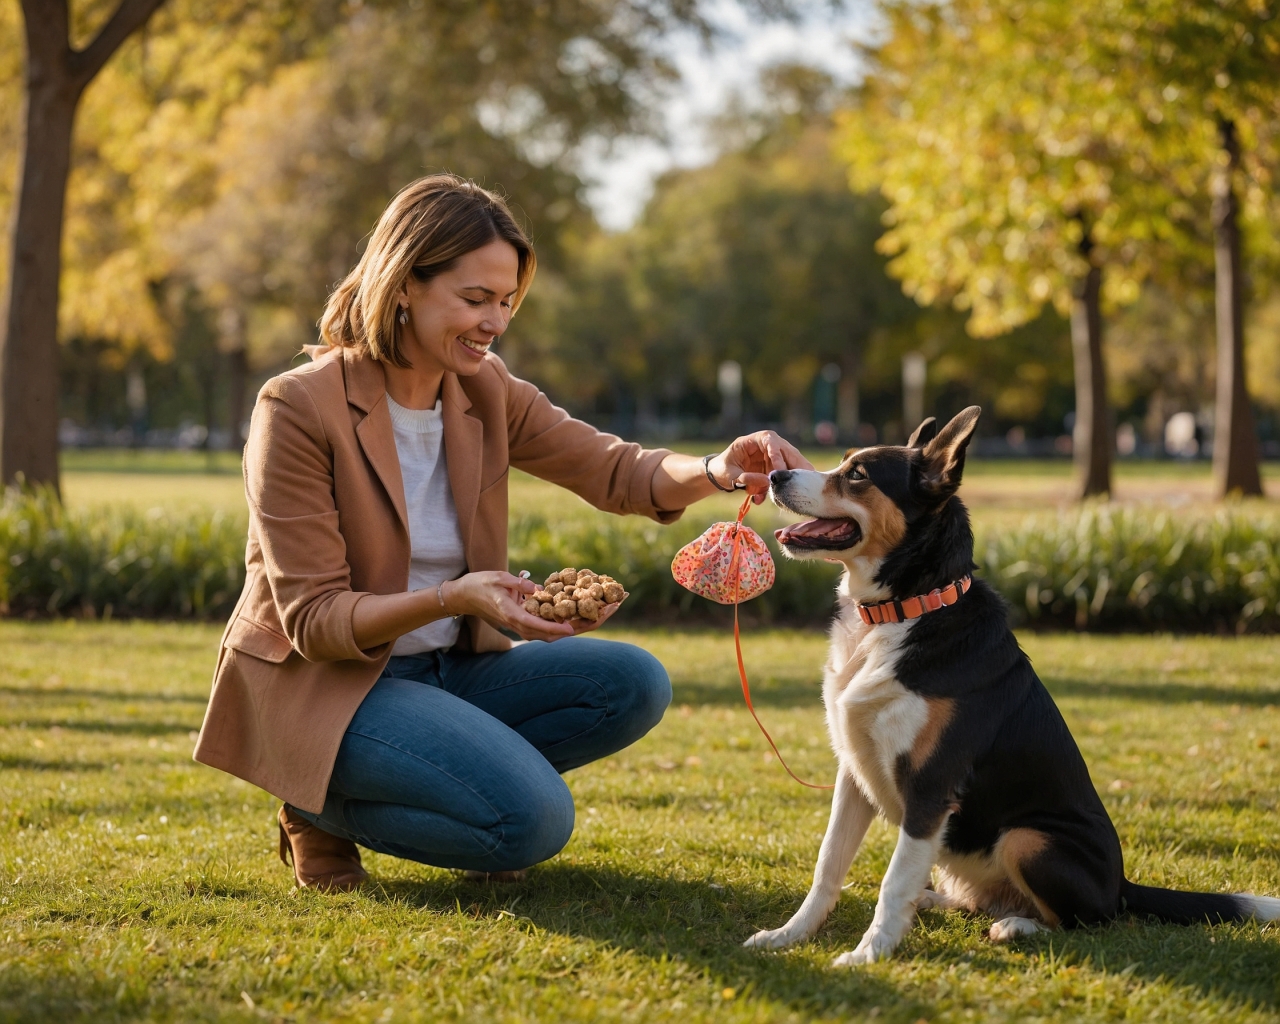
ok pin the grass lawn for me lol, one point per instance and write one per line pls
(136, 885)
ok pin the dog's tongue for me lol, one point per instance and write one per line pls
(812, 528)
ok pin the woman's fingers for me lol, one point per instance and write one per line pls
(763, 452)
(586, 625)
(533, 627)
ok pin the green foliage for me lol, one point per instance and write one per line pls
(998, 142)
(1126, 569)
(1099, 569)
(56, 560)
(763, 256)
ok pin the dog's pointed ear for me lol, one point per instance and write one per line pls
(923, 434)
(944, 455)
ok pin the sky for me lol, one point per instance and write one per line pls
(621, 181)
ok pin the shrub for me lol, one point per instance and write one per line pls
(1107, 568)
(1098, 568)
(56, 560)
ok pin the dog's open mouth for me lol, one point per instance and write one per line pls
(821, 534)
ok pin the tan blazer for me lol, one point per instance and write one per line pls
(327, 526)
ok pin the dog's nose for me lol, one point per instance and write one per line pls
(779, 477)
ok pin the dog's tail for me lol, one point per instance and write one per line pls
(1196, 907)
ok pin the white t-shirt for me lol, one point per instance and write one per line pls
(434, 538)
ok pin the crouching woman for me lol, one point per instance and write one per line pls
(366, 677)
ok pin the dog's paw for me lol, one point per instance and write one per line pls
(774, 938)
(874, 946)
(931, 899)
(1010, 928)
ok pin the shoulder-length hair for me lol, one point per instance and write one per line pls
(424, 231)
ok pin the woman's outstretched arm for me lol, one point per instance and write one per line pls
(682, 479)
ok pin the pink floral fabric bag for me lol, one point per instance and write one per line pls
(707, 565)
(730, 564)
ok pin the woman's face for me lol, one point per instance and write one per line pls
(457, 315)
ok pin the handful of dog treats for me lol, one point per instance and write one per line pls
(574, 594)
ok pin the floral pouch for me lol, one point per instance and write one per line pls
(728, 564)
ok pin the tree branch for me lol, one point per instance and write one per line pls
(130, 16)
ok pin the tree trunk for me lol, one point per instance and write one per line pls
(237, 383)
(29, 358)
(1235, 442)
(1091, 439)
(56, 76)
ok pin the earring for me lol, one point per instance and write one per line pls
(403, 317)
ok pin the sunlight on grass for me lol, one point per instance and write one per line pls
(135, 884)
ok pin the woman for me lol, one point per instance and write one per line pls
(364, 677)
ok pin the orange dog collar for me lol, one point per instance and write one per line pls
(914, 607)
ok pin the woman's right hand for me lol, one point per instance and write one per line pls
(498, 598)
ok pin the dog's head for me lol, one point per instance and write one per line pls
(877, 502)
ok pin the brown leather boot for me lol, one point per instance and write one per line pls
(321, 861)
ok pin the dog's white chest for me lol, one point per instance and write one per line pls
(872, 717)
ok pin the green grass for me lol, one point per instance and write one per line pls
(136, 885)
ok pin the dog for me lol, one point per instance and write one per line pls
(941, 725)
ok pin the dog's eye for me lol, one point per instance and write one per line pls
(858, 473)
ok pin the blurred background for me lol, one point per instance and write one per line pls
(827, 219)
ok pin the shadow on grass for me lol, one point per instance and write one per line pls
(117, 695)
(704, 926)
(1159, 693)
(676, 919)
(1227, 961)
(141, 728)
(35, 765)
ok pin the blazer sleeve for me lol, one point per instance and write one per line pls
(610, 473)
(289, 483)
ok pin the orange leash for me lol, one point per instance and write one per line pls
(737, 644)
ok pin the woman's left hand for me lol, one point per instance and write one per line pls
(750, 459)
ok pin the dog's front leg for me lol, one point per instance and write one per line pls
(903, 883)
(851, 814)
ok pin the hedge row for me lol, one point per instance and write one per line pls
(1098, 568)
(56, 560)
(1111, 569)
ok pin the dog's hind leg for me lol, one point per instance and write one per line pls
(851, 814)
(1065, 880)
(900, 890)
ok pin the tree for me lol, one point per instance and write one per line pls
(56, 76)
(763, 257)
(304, 163)
(1206, 74)
(1009, 161)
(502, 90)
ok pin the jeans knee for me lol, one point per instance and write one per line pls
(538, 830)
(646, 690)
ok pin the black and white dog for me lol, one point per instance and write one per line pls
(941, 725)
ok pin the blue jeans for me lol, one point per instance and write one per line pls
(453, 759)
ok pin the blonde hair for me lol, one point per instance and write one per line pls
(424, 231)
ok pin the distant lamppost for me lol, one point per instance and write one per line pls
(826, 405)
(913, 380)
(729, 381)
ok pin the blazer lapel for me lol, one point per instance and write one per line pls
(367, 391)
(463, 449)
